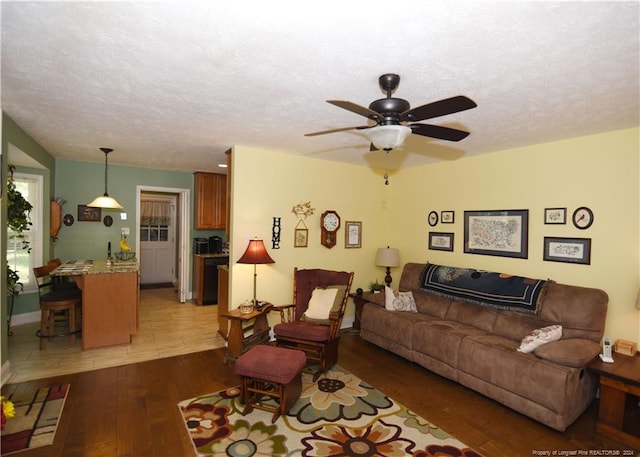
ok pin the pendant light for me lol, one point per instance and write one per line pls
(104, 201)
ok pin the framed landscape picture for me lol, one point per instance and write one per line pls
(502, 233)
(555, 215)
(440, 241)
(570, 250)
(89, 213)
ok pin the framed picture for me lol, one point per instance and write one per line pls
(503, 233)
(570, 250)
(89, 213)
(353, 234)
(446, 217)
(301, 239)
(440, 241)
(555, 215)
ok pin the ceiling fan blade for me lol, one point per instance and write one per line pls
(354, 108)
(439, 108)
(437, 131)
(343, 129)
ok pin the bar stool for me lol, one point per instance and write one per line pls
(58, 308)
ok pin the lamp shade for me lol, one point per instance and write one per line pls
(388, 136)
(104, 201)
(256, 253)
(387, 257)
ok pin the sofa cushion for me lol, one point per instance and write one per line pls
(399, 301)
(495, 360)
(539, 337)
(440, 339)
(394, 326)
(472, 314)
(574, 352)
(432, 304)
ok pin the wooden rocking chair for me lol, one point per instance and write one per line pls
(301, 329)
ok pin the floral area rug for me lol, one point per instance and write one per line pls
(339, 415)
(37, 413)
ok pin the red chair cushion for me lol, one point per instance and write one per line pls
(271, 363)
(302, 330)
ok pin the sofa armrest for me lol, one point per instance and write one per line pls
(376, 299)
(572, 352)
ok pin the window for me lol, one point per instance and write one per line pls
(19, 259)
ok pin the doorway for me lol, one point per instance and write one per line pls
(164, 244)
(157, 239)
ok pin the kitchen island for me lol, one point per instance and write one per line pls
(110, 294)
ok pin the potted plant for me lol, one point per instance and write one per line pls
(375, 286)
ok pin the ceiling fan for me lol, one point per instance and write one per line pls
(395, 119)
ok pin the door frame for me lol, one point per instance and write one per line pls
(184, 228)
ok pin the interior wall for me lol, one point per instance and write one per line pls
(598, 171)
(267, 184)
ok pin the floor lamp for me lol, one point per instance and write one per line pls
(255, 254)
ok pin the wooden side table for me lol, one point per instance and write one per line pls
(254, 325)
(358, 301)
(619, 412)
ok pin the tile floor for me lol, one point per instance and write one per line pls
(166, 328)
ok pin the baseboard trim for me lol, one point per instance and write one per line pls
(25, 318)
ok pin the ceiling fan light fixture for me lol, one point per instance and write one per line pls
(104, 200)
(388, 136)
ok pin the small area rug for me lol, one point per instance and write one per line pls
(339, 415)
(38, 412)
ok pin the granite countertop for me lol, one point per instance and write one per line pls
(208, 256)
(95, 267)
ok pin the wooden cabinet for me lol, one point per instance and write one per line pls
(210, 201)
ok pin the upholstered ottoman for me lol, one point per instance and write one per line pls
(272, 372)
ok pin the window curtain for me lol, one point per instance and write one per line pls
(154, 212)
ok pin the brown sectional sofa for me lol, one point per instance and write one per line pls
(477, 346)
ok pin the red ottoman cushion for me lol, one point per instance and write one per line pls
(271, 363)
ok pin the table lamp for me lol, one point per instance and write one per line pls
(388, 257)
(255, 254)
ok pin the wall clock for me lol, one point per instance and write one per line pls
(432, 218)
(329, 225)
(582, 218)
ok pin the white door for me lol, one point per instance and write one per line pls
(158, 242)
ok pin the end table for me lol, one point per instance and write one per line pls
(619, 393)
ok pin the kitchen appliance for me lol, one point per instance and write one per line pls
(200, 246)
(215, 245)
(210, 286)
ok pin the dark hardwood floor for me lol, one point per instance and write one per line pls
(131, 410)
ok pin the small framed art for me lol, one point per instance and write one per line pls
(570, 250)
(301, 238)
(440, 241)
(353, 234)
(555, 215)
(447, 217)
(89, 213)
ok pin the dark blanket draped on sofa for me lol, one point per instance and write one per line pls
(496, 290)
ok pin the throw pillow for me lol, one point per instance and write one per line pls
(540, 336)
(399, 301)
(323, 302)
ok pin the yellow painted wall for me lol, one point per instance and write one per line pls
(267, 184)
(599, 171)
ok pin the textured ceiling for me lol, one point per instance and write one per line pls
(172, 85)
